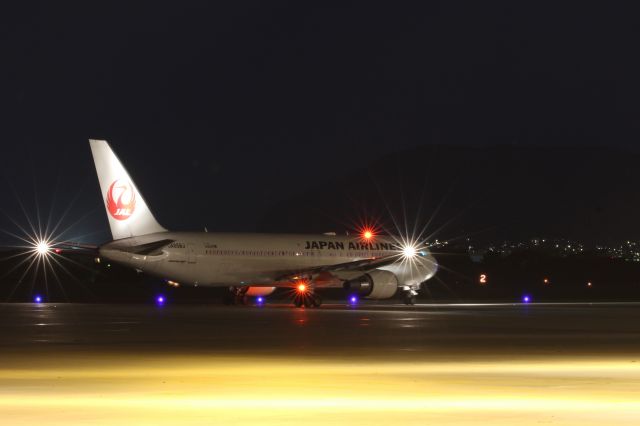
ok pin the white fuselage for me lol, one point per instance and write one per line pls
(227, 259)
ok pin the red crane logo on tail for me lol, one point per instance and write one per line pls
(121, 199)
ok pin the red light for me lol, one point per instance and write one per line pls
(367, 233)
(301, 288)
(58, 251)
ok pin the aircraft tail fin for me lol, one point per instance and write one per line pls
(127, 211)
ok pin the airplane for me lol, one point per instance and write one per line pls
(254, 265)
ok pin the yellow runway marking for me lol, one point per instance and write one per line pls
(104, 389)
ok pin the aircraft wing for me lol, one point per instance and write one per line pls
(148, 249)
(152, 248)
(75, 247)
(362, 265)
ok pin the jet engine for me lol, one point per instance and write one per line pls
(377, 284)
(259, 291)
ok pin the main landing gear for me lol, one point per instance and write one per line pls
(307, 299)
(236, 296)
(303, 296)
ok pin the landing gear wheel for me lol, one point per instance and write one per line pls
(317, 301)
(236, 296)
(409, 300)
(229, 299)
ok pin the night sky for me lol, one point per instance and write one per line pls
(222, 111)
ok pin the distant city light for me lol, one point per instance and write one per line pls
(589, 284)
(546, 280)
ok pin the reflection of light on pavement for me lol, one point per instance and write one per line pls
(227, 389)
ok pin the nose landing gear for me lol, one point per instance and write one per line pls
(409, 296)
(409, 299)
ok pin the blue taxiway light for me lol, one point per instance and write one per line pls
(526, 298)
(37, 299)
(260, 299)
(160, 300)
(353, 300)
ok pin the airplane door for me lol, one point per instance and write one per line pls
(191, 253)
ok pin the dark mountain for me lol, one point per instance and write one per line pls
(487, 193)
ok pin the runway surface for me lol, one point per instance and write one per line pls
(374, 364)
